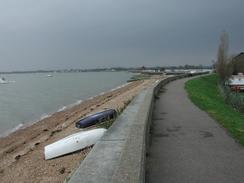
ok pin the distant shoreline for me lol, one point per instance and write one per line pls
(60, 71)
(109, 69)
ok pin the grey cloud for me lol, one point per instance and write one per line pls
(94, 33)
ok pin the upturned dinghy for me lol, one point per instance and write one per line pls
(99, 117)
(73, 143)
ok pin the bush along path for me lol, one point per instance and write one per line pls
(204, 92)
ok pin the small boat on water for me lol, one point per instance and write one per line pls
(3, 80)
(99, 117)
(73, 143)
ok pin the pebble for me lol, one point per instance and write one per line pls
(62, 170)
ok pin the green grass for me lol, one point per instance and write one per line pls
(204, 93)
(139, 77)
(105, 124)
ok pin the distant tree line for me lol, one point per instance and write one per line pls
(189, 67)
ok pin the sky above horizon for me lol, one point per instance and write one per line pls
(62, 34)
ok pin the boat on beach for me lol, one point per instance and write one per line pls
(99, 117)
(72, 143)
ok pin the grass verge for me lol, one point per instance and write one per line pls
(204, 93)
(139, 77)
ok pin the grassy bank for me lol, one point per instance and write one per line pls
(204, 93)
(139, 77)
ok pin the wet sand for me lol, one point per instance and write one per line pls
(22, 152)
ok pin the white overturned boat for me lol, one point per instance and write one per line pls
(73, 143)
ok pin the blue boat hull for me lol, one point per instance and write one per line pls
(99, 117)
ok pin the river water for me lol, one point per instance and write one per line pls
(32, 97)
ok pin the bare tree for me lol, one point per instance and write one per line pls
(230, 66)
(222, 60)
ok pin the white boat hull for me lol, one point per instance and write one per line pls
(73, 143)
(3, 81)
(6, 82)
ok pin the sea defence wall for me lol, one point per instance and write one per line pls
(119, 156)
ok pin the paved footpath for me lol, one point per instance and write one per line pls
(187, 146)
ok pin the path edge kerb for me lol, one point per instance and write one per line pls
(120, 156)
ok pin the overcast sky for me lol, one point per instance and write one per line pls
(58, 34)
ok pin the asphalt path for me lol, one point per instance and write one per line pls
(188, 146)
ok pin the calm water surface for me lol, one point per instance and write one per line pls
(34, 96)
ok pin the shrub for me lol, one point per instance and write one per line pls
(235, 99)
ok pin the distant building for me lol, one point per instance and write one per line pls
(143, 68)
(238, 64)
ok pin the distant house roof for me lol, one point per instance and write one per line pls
(238, 64)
